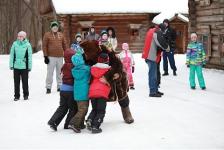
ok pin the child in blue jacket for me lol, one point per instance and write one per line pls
(81, 74)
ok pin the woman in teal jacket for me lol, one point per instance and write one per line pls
(195, 60)
(81, 74)
(21, 63)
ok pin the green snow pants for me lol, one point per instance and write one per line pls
(198, 70)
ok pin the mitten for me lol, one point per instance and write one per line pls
(46, 60)
(133, 69)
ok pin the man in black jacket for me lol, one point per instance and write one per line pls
(170, 36)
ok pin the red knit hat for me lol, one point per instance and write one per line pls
(103, 58)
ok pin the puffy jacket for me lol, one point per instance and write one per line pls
(97, 88)
(66, 69)
(154, 41)
(195, 54)
(18, 53)
(81, 74)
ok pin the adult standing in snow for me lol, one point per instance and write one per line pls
(54, 45)
(170, 36)
(92, 35)
(154, 41)
(195, 60)
(21, 63)
(112, 37)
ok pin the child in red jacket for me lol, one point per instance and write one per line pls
(98, 93)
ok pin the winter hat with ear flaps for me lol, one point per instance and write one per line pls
(103, 32)
(54, 23)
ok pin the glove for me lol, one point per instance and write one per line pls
(188, 66)
(133, 69)
(11, 68)
(29, 70)
(46, 60)
(203, 65)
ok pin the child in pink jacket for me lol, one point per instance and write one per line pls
(128, 62)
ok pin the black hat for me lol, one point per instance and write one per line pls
(166, 21)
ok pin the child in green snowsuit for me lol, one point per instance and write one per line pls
(195, 60)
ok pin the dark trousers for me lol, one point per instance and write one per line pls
(158, 74)
(170, 56)
(21, 74)
(98, 111)
(66, 104)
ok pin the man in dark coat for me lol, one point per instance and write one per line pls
(170, 36)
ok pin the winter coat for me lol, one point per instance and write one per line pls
(195, 54)
(54, 45)
(170, 36)
(20, 52)
(127, 60)
(106, 43)
(66, 69)
(154, 41)
(113, 42)
(92, 36)
(81, 74)
(97, 88)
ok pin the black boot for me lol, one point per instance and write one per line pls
(75, 129)
(165, 74)
(53, 126)
(96, 130)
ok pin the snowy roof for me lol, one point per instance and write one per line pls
(170, 16)
(118, 6)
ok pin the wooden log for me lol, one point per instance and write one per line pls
(214, 18)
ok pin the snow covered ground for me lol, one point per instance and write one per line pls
(181, 119)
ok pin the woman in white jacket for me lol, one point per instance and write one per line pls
(112, 37)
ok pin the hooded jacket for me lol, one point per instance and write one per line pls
(81, 74)
(97, 88)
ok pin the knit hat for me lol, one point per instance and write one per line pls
(103, 58)
(54, 23)
(78, 35)
(103, 32)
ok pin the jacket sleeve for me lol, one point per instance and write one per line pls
(203, 54)
(64, 43)
(132, 59)
(115, 43)
(45, 44)
(30, 57)
(188, 55)
(12, 51)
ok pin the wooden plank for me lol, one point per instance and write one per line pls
(214, 18)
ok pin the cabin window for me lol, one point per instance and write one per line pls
(134, 31)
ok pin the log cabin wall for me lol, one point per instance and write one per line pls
(130, 28)
(17, 15)
(207, 20)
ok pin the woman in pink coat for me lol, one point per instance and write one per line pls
(128, 62)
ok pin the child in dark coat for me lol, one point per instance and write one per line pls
(98, 93)
(67, 102)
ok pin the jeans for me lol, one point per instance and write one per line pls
(152, 76)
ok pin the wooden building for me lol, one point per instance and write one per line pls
(129, 23)
(17, 15)
(207, 20)
(179, 23)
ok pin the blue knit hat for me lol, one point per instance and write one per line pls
(103, 32)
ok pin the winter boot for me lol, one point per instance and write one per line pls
(127, 115)
(75, 129)
(96, 130)
(53, 126)
(89, 124)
